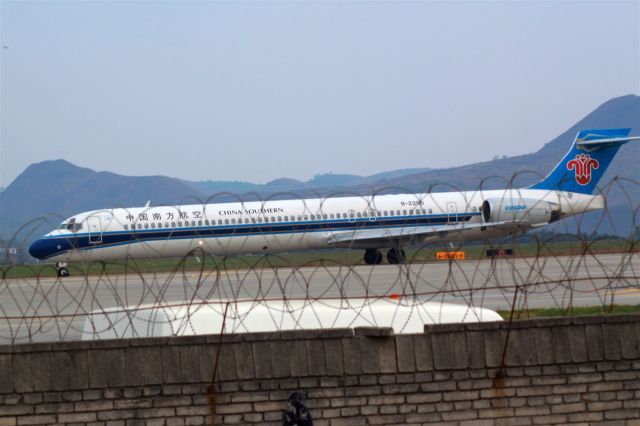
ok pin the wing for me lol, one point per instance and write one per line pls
(401, 236)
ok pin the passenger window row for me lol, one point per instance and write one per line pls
(273, 219)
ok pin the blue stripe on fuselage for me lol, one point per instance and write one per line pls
(115, 238)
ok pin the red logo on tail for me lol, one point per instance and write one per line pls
(583, 163)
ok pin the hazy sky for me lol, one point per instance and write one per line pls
(255, 91)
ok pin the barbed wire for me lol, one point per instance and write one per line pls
(585, 260)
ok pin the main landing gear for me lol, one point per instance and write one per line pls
(374, 257)
(62, 269)
(396, 255)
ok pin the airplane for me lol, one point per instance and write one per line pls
(370, 223)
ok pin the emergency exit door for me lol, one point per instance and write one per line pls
(94, 226)
(452, 212)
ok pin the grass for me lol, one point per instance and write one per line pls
(317, 258)
(573, 311)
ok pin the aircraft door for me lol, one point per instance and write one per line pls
(94, 228)
(452, 212)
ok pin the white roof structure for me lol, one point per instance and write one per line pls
(404, 315)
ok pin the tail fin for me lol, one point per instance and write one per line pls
(585, 163)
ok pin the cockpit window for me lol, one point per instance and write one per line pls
(71, 225)
(74, 227)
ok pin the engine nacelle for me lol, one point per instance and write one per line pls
(534, 212)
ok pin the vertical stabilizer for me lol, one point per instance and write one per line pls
(582, 167)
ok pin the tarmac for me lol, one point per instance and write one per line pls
(50, 309)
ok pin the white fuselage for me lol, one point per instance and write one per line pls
(279, 226)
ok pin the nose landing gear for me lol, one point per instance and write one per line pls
(62, 269)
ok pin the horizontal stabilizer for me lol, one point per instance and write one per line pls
(592, 145)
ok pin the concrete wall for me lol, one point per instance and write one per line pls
(576, 370)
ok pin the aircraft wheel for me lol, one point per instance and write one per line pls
(372, 257)
(63, 272)
(395, 256)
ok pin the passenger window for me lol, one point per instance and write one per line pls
(299, 217)
(313, 217)
(397, 212)
(404, 212)
(226, 221)
(173, 224)
(364, 214)
(139, 226)
(199, 223)
(430, 211)
(126, 226)
(391, 213)
(253, 220)
(166, 224)
(259, 220)
(146, 226)
(324, 216)
(344, 215)
(233, 221)
(193, 223)
(386, 213)
(359, 214)
(411, 211)
(279, 218)
(306, 217)
(153, 225)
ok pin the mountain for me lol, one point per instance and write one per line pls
(325, 180)
(623, 194)
(618, 112)
(47, 192)
(214, 186)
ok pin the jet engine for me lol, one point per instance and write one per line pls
(533, 212)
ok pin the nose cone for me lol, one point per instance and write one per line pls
(42, 248)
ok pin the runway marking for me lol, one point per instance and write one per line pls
(627, 292)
